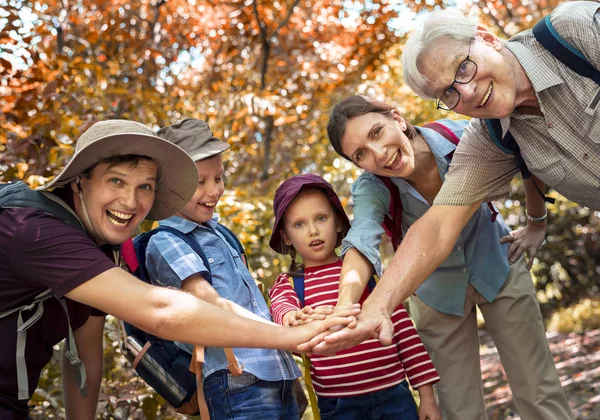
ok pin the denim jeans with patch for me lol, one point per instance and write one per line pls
(395, 403)
(246, 397)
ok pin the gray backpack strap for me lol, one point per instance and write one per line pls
(23, 326)
(72, 356)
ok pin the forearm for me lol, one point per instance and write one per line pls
(426, 391)
(195, 321)
(89, 341)
(240, 310)
(176, 315)
(355, 274)
(426, 245)
(76, 407)
(535, 204)
(202, 289)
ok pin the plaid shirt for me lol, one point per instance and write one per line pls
(562, 147)
(170, 260)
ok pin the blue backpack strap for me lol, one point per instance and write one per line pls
(508, 144)
(19, 195)
(299, 287)
(566, 53)
(141, 243)
(371, 284)
(232, 240)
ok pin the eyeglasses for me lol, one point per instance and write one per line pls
(465, 73)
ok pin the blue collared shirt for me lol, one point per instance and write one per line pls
(170, 260)
(478, 256)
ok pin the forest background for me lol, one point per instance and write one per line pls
(264, 74)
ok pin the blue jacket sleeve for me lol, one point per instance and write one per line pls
(371, 203)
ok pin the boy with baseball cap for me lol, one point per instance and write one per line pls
(264, 389)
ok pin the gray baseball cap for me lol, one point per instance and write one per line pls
(195, 137)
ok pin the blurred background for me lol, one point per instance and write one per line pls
(264, 74)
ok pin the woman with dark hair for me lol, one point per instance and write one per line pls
(482, 270)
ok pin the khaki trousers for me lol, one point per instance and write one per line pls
(515, 324)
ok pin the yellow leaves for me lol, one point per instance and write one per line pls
(22, 167)
(288, 119)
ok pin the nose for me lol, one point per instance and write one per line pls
(214, 191)
(314, 231)
(128, 198)
(378, 150)
(466, 90)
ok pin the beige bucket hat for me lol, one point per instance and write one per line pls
(195, 137)
(177, 172)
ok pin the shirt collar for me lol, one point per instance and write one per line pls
(440, 147)
(186, 226)
(539, 74)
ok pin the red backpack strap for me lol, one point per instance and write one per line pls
(449, 135)
(128, 255)
(443, 131)
(393, 225)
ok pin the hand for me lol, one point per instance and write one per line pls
(309, 335)
(308, 314)
(428, 407)
(373, 322)
(525, 239)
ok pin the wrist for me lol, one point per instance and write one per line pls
(426, 391)
(538, 219)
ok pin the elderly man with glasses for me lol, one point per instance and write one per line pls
(551, 111)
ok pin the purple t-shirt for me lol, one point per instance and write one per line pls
(37, 252)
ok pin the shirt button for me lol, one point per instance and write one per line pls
(586, 156)
(465, 270)
(459, 248)
(211, 260)
(550, 125)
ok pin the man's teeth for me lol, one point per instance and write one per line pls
(116, 223)
(392, 159)
(487, 95)
(120, 215)
(209, 204)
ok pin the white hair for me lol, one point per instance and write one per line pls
(439, 26)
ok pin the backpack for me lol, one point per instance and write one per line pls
(392, 223)
(19, 195)
(568, 55)
(162, 364)
(297, 282)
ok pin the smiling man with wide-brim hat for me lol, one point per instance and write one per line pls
(177, 173)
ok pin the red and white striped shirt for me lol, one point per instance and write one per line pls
(365, 368)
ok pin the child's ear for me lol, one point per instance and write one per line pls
(286, 239)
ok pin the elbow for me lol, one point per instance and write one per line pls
(164, 313)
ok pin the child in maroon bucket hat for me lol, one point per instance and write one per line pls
(310, 223)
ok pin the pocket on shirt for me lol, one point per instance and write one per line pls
(214, 259)
(551, 174)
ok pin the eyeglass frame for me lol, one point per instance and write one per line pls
(466, 60)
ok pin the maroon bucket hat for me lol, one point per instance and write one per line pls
(286, 193)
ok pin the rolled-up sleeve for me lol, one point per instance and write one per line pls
(371, 200)
(169, 261)
(479, 171)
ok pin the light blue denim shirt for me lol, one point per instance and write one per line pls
(170, 260)
(478, 256)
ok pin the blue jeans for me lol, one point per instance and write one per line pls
(246, 397)
(395, 403)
